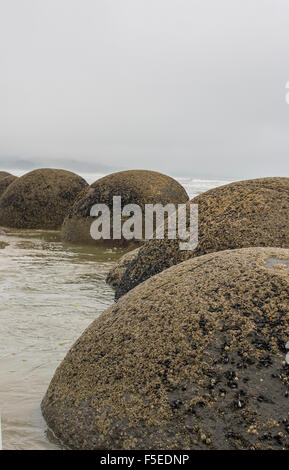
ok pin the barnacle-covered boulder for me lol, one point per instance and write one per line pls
(40, 199)
(192, 358)
(115, 274)
(134, 187)
(5, 182)
(237, 215)
(3, 174)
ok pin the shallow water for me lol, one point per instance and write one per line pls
(49, 294)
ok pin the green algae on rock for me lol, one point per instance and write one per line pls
(134, 186)
(192, 358)
(237, 215)
(40, 199)
(5, 182)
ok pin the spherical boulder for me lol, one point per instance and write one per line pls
(134, 186)
(5, 182)
(3, 174)
(192, 358)
(40, 199)
(115, 274)
(237, 215)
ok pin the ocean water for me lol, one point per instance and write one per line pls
(50, 292)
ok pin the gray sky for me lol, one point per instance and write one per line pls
(187, 87)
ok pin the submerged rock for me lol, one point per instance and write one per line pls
(192, 358)
(40, 199)
(134, 186)
(5, 182)
(237, 215)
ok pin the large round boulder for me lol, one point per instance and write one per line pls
(3, 174)
(40, 199)
(237, 215)
(134, 186)
(5, 182)
(117, 271)
(192, 358)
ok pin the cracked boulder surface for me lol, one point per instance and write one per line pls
(40, 199)
(134, 186)
(237, 215)
(5, 182)
(193, 358)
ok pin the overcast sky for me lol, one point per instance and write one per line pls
(187, 87)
